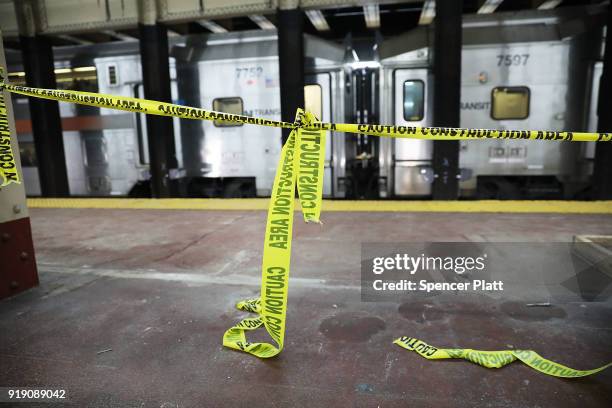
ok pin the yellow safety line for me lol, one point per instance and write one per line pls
(246, 204)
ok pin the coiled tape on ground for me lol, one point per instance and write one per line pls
(301, 166)
(496, 359)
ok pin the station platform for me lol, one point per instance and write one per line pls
(133, 303)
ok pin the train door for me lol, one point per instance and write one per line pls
(317, 99)
(141, 159)
(588, 148)
(362, 165)
(80, 78)
(412, 171)
(118, 155)
(141, 128)
(27, 149)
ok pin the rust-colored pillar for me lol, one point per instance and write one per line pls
(17, 263)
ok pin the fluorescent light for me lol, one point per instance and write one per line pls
(262, 22)
(364, 64)
(318, 20)
(84, 69)
(489, 6)
(549, 4)
(212, 26)
(372, 15)
(428, 13)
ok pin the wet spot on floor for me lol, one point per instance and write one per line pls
(364, 388)
(351, 327)
(420, 311)
(520, 311)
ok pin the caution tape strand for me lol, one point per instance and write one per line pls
(8, 165)
(150, 107)
(495, 359)
(301, 166)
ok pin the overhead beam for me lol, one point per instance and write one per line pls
(64, 17)
(489, 6)
(428, 12)
(371, 12)
(262, 22)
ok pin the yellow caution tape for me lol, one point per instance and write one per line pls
(495, 359)
(408, 132)
(301, 164)
(8, 167)
(250, 204)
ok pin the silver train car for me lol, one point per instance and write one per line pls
(519, 71)
(107, 150)
(238, 73)
(525, 70)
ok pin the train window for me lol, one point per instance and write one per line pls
(313, 99)
(112, 75)
(510, 102)
(27, 152)
(228, 105)
(414, 100)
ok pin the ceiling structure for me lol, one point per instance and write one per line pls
(72, 22)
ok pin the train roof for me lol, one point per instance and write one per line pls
(213, 46)
(501, 28)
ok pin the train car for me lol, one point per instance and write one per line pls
(524, 70)
(107, 150)
(528, 78)
(106, 153)
(238, 73)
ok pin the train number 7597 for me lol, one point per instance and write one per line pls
(507, 60)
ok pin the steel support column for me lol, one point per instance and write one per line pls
(602, 172)
(46, 122)
(291, 63)
(154, 58)
(447, 92)
(18, 266)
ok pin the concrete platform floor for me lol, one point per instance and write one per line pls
(158, 288)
